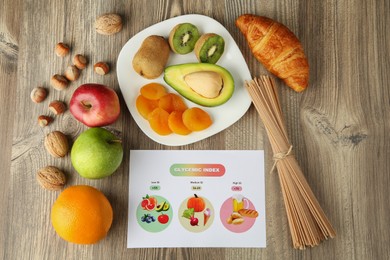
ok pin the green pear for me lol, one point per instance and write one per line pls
(96, 153)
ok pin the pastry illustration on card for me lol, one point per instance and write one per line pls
(196, 214)
(238, 214)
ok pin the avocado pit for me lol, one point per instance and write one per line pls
(205, 83)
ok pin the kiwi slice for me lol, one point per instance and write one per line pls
(209, 48)
(183, 37)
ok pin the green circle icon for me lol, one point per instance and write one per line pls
(196, 214)
(154, 213)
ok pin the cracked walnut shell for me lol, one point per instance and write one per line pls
(56, 143)
(51, 178)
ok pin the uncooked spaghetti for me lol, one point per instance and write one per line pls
(307, 221)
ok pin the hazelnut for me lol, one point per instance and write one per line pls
(101, 68)
(59, 82)
(44, 120)
(62, 49)
(80, 61)
(108, 24)
(38, 94)
(72, 73)
(56, 143)
(57, 107)
(51, 178)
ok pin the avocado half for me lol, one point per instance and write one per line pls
(174, 76)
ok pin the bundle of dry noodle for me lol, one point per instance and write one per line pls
(307, 221)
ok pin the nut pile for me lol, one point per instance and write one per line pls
(56, 143)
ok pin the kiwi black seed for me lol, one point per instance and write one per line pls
(209, 48)
(183, 37)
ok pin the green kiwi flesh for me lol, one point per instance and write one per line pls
(209, 48)
(183, 37)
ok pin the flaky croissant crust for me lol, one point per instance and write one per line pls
(277, 48)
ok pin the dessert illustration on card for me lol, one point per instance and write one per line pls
(238, 214)
(154, 213)
(196, 213)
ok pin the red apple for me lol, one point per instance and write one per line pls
(95, 105)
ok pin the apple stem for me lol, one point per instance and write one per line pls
(117, 141)
(85, 104)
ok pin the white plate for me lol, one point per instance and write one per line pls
(223, 116)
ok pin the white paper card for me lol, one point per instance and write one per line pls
(196, 199)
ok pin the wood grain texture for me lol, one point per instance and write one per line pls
(9, 49)
(339, 126)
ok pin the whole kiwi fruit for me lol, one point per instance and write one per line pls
(152, 57)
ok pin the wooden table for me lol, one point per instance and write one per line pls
(339, 126)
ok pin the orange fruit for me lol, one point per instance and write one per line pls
(82, 215)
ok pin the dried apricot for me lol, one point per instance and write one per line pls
(145, 106)
(172, 102)
(175, 123)
(153, 91)
(196, 119)
(158, 120)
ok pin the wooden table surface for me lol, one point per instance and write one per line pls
(339, 126)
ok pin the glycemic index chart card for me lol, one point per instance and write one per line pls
(196, 199)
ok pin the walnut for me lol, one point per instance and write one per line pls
(108, 24)
(56, 143)
(51, 178)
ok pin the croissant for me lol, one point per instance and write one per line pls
(277, 48)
